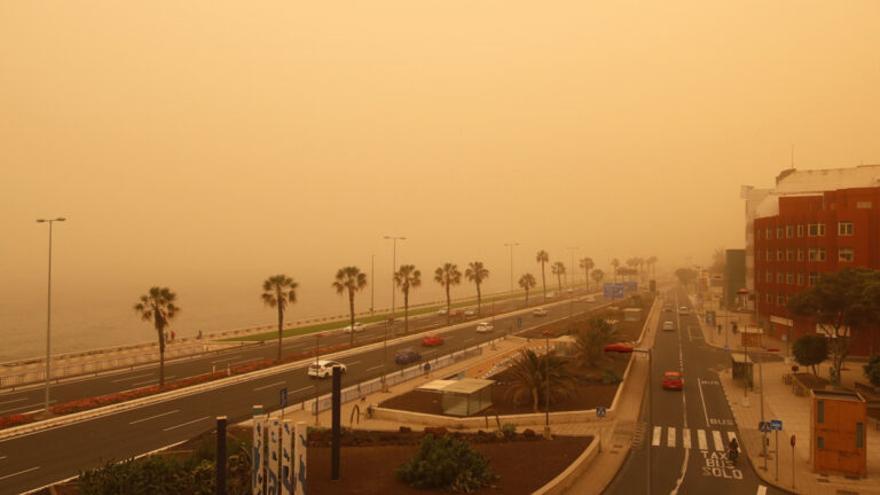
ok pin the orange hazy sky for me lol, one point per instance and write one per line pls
(207, 144)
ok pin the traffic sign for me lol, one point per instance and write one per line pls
(600, 412)
(764, 426)
(283, 397)
(776, 424)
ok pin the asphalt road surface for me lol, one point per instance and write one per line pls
(685, 440)
(44, 457)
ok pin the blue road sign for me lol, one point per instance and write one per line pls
(600, 412)
(283, 397)
(776, 424)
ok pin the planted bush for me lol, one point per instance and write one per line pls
(446, 463)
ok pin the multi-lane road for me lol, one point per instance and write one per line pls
(680, 446)
(46, 456)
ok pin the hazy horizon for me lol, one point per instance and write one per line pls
(205, 146)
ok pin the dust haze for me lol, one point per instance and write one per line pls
(207, 145)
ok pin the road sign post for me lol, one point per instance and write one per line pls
(283, 400)
(793, 441)
(777, 455)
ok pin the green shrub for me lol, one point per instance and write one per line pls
(508, 430)
(810, 350)
(447, 463)
(872, 371)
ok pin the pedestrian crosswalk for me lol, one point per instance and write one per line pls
(673, 437)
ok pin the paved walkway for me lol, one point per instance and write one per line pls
(795, 470)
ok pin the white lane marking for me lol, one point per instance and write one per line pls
(135, 377)
(154, 380)
(274, 384)
(228, 358)
(762, 490)
(28, 470)
(38, 406)
(468, 339)
(301, 389)
(686, 438)
(2, 457)
(670, 437)
(730, 436)
(181, 425)
(371, 368)
(245, 361)
(703, 401)
(701, 440)
(20, 399)
(168, 413)
(658, 431)
(352, 363)
(716, 438)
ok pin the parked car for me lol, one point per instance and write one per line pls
(590, 298)
(673, 380)
(358, 327)
(539, 312)
(470, 312)
(484, 327)
(324, 368)
(432, 340)
(621, 347)
(683, 310)
(441, 311)
(668, 326)
(667, 309)
(406, 356)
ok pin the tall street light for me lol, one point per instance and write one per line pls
(49, 310)
(394, 240)
(511, 245)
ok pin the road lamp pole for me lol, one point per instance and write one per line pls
(394, 240)
(49, 311)
(547, 386)
(385, 359)
(317, 369)
(511, 245)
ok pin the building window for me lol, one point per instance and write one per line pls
(800, 279)
(768, 298)
(860, 435)
(780, 299)
(789, 231)
(768, 277)
(779, 255)
(820, 441)
(821, 254)
(820, 414)
(789, 255)
(789, 278)
(800, 255)
(800, 230)
(814, 279)
(813, 254)
(864, 205)
(779, 232)
(845, 228)
(846, 255)
(816, 230)
(768, 233)
(779, 277)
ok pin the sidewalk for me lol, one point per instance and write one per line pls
(795, 469)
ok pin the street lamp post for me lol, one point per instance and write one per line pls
(385, 359)
(49, 311)
(547, 386)
(317, 390)
(394, 240)
(511, 245)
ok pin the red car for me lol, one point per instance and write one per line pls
(620, 347)
(432, 340)
(673, 380)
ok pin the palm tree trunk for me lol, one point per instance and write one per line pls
(280, 326)
(351, 311)
(586, 278)
(544, 281)
(406, 311)
(535, 399)
(161, 356)
(559, 281)
(527, 297)
(478, 299)
(448, 303)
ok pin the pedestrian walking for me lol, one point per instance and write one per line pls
(427, 368)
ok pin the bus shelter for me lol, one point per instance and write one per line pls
(743, 367)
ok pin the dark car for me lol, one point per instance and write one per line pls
(407, 356)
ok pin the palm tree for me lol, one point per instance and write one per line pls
(407, 277)
(278, 290)
(542, 257)
(597, 275)
(351, 279)
(530, 377)
(616, 264)
(447, 276)
(558, 269)
(587, 265)
(590, 342)
(158, 305)
(477, 273)
(527, 282)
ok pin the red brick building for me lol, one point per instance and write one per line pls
(810, 235)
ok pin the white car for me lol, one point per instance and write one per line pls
(358, 327)
(484, 327)
(324, 368)
(539, 312)
(441, 311)
(470, 312)
(683, 310)
(668, 325)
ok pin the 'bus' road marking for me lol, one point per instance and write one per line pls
(655, 441)
(135, 377)
(186, 424)
(275, 384)
(18, 473)
(154, 417)
(719, 442)
(686, 438)
(670, 437)
(701, 440)
(20, 399)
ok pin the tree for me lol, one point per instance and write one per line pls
(587, 265)
(841, 304)
(543, 258)
(447, 276)
(616, 264)
(477, 273)
(530, 372)
(158, 305)
(278, 290)
(597, 275)
(527, 282)
(590, 342)
(686, 275)
(350, 279)
(810, 350)
(447, 463)
(406, 278)
(872, 370)
(558, 269)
